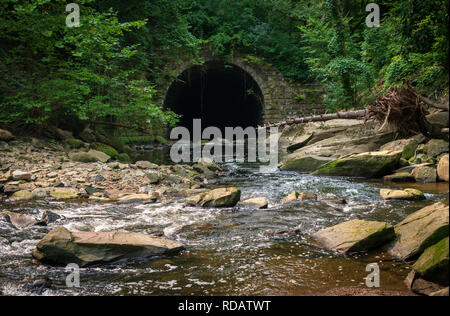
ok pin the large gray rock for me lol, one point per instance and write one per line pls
(224, 197)
(328, 142)
(436, 147)
(6, 135)
(368, 165)
(356, 236)
(61, 247)
(425, 173)
(442, 169)
(420, 230)
(90, 156)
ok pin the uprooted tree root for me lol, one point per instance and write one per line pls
(401, 108)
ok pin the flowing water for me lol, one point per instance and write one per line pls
(234, 251)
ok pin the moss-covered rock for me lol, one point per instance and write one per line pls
(64, 193)
(406, 146)
(420, 230)
(109, 150)
(6, 135)
(304, 164)
(224, 197)
(433, 264)
(23, 195)
(124, 157)
(356, 236)
(368, 165)
(74, 143)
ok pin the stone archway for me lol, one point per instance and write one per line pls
(221, 94)
(270, 97)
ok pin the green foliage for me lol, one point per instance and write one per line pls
(109, 68)
(51, 72)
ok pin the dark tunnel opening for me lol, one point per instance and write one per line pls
(219, 94)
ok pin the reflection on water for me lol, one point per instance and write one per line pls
(229, 251)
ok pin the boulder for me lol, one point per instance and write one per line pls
(420, 230)
(139, 198)
(224, 197)
(204, 171)
(210, 164)
(356, 236)
(6, 135)
(258, 203)
(443, 292)
(406, 146)
(153, 177)
(124, 157)
(146, 165)
(425, 173)
(307, 163)
(437, 121)
(299, 142)
(62, 134)
(424, 287)
(433, 264)
(442, 169)
(106, 149)
(23, 195)
(20, 221)
(436, 147)
(406, 195)
(61, 247)
(18, 175)
(292, 197)
(319, 151)
(88, 135)
(400, 177)
(64, 193)
(295, 196)
(90, 156)
(368, 165)
(74, 143)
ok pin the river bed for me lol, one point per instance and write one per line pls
(234, 251)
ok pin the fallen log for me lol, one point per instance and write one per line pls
(433, 104)
(321, 118)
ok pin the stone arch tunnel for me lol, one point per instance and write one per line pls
(219, 93)
(236, 91)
